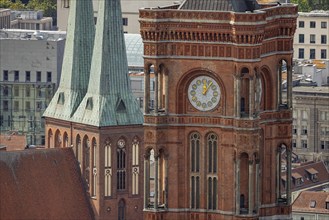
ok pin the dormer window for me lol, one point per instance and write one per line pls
(312, 204)
(298, 179)
(89, 103)
(313, 174)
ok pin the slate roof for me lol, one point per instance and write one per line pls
(109, 100)
(304, 172)
(76, 63)
(42, 184)
(220, 5)
(313, 202)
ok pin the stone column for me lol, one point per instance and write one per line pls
(237, 186)
(156, 182)
(146, 182)
(166, 93)
(156, 90)
(251, 97)
(257, 186)
(251, 188)
(160, 92)
(146, 90)
(289, 86)
(288, 189)
(280, 84)
(238, 97)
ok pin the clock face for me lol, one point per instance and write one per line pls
(204, 93)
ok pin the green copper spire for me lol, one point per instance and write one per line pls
(109, 100)
(77, 61)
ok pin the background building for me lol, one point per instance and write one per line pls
(5, 18)
(29, 75)
(129, 12)
(30, 20)
(311, 122)
(311, 37)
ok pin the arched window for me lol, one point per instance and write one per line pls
(78, 152)
(66, 140)
(135, 166)
(195, 170)
(121, 164)
(108, 169)
(212, 151)
(58, 139)
(50, 138)
(122, 210)
(86, 160)
(94, 164)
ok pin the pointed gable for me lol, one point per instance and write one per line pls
(77, 61)
(109, 80)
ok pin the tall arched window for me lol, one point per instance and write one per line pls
(121, 164)
(66, 140)
(50, 138)
(78, 152)
(195, 170)
(58, 139)
(135, 166)
(212, 151)
(108, 169)
(86, 160)
(94, 165)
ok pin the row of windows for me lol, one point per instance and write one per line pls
(301, 39)
(312, 24)
(301, 53)
(27, 76)
(324, 145)
(303, 130)
(39, 92)
(16, 106)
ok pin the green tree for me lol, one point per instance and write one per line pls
(15, 5)
(49, 7)
(303, 5)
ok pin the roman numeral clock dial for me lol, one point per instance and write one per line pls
(204, 93)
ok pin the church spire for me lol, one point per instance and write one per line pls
(109, 100)
(76, 63)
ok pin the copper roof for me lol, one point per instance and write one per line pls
(42, 184)
(307, 199)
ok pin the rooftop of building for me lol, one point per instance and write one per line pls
(316, 13)
(220, 5)
(313, 202)
(323, 90)
(19, 34)
(12, 141)
(309, 175)
(42, 184)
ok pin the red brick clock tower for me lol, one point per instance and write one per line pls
(219, 129)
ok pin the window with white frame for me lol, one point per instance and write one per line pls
(195, 170)
(108, 169)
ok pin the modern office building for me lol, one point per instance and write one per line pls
(5, 18)
(312, 35)
(29, 75)
(129, 12)
(30, 20)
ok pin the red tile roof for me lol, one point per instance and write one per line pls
(42, 184)
(12, 141)
(306, 199)
(305, 171)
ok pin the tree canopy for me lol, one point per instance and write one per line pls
(48, 7)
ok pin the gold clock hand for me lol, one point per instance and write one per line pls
(205, 92)
(204, 87)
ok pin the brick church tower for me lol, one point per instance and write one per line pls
(95, 112)
(219, 133)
